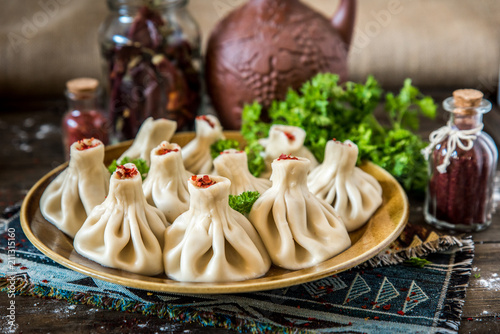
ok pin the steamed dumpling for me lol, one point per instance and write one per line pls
(124, 232)
(212, 242)
(298, 229)
(233, 164)
(72, 195)
(166, 185)
(354, 194)
(151, 133)
(285, 139)
(196, 154)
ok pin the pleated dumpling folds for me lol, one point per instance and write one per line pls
(285, 139)
(196, 154)
(212, 242)
(151, 133)
(124, 232)
(166, 185)
(233, 164)
(353, 193)
(72, 195)
(299, 230)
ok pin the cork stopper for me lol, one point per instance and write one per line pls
(467, 98)
(82, 88)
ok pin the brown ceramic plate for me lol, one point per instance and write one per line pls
(383, 228)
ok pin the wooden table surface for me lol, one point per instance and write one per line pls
(31, 138)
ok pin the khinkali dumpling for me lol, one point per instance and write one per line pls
(354, 194)
(285, 139)
(196, 154)
(166, 184)
(124, 232)
(298, 229)
(233, 164)
(71, 196)
(151, 133)
(212, 242)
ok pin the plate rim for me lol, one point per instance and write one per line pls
(208, 288)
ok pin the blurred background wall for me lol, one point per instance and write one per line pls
(437, 43)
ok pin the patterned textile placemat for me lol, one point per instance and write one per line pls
(387, 294)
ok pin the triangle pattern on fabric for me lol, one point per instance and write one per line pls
(325, 285)
(415, 296)
(358, 288)
(386, 292)
(166, 298)
(87, 281)
(415, 242)
(433, 236)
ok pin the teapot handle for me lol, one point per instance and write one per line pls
(343, 20)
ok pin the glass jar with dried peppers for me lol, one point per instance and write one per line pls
(151, 50)
(462, 165)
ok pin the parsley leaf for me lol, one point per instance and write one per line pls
(243, 202)
(221, 145)
(417, 262)
(326, 109)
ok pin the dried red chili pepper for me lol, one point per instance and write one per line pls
(287, 157)
(289, 135)
(124, 172)
(85, 144)
(203, 182)
(164, 150)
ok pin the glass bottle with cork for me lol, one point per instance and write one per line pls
(462, 165)
(85, 117)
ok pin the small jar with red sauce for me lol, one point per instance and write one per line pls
(85, 117)
(462, 165)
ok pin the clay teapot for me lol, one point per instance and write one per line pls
(265, 47)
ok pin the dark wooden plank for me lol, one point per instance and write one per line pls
(35, 315)
(490, 325)
(483, 293)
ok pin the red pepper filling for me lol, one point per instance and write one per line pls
(289, 135)
(205, 118)
(229, 152)
(82, 144)
(126, 173)
(335, 140)
(203, 182)
(164, 150)
(287, 157)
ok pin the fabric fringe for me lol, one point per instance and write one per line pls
(161, 310)
(455, 296)
(391, 258)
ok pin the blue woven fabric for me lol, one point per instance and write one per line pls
(388, 299)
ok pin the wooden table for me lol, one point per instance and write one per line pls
(31, 138)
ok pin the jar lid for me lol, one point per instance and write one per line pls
(465, 98)
(115, 4)
(467, 101)
(82, 87)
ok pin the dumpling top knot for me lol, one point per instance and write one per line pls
(126, 171)
(87, 143)
(354, 194)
